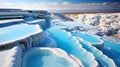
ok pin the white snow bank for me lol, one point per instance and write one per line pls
(108, 23)
(60, 17)
(75, 26)
(3, 55)
(49, 57)
(72, 24)
(10, 20)
(14, 57)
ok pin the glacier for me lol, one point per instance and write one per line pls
(34, 42)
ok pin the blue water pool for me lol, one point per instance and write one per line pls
(110, 49)
(87, 37)
(113, 46)
(16, 32)
(46, 57)
(68, 43)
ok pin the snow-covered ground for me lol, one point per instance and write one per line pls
(107, 23)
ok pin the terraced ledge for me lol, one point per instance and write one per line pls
(103, 59)
(10, 22)
(22, 33)
(13, 57)
(66, 42)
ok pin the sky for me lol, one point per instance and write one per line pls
(60, 4)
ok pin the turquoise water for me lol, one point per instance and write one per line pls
(66, 42)
(87, 37)
(38, 57)
(104, 61)
(111, 49)
(15, 32)
(113, 46)
(82, 50)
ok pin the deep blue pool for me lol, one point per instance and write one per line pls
(87, 37)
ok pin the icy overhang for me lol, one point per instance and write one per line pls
(17, 32)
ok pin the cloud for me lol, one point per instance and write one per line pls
(59, 6)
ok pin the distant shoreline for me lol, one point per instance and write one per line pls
(87, 12)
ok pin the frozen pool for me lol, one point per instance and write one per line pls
(16, 32)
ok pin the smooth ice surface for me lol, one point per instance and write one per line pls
(48, 57)
(87, 37)
(68, 43)
(16, 32)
